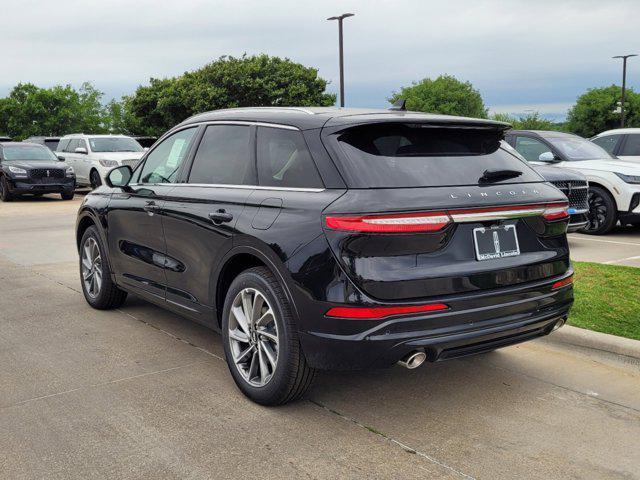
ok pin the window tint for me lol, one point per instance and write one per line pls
(608, 142)
(419, 155)
(163, 163)
(63, 144)
(284, 160)
(531, 148)
(223, 156)
(631, 146)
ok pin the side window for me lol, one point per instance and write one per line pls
(163, 163)
(608, 142)
(631, 146)
(63, 145)
(83, 144)
(284, 160)
(530, 148)
(223, 156)
(73, 144)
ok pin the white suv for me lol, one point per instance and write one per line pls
(624, 143)
(93, 156)
(614, 185)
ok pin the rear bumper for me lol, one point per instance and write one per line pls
(532, 312)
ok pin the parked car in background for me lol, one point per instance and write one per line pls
(50, 142)
(29, 168)
(570, 182)
(146, 142)
(614, 185)
(5, 139)
(323, 238)
(92, 156)
(623, 143)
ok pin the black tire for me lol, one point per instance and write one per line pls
(68, 195)
(109, 295)
(602, 213)
(292, 375)
(94, 178)
(5, 194)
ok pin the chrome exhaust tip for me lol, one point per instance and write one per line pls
(413, 360)
(558, 324)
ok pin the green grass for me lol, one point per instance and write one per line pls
(607, 299)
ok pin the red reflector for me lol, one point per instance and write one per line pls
(562, 283)
(373, 313)
(398, 223)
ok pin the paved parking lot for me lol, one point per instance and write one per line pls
(620, 247)
(142, 393)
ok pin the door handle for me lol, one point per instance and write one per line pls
(151, 207)
(221, 216)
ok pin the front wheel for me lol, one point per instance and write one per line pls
(94, 179)
(260, 340)
(67, 195)
(5, 193)
(602, 215)
(95, 275)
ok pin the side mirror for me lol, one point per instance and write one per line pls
(547, 157)
(81, 150)
(60, 158)
(119, 177)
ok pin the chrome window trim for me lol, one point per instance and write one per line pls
(242, 122)
(238, 187)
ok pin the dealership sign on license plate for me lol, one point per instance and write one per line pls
(496, 242)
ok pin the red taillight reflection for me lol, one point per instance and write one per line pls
(556, 211)
(375, 313)
(562, 283)
(398, 223)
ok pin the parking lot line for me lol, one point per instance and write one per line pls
(580, 237)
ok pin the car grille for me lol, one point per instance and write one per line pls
(133, 163)
(41, 173)
(576, 191)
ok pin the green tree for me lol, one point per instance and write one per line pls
(530, 121)
(248, 81)
(446, 95)
(31, 110)
(594, 111)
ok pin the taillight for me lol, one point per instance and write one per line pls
(436, 221)
(562, 283)
(394, 223)
(556, 211)
(376, 313)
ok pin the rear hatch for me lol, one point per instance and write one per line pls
(440, 209)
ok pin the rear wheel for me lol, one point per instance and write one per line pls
(602, 215)
(260, 340)
(5, 193)
(95, 274)
(94, 178)
(67, 195)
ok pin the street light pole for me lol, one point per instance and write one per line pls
(624, 84)
(340, 18)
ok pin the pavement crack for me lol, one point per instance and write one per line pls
(392, 440)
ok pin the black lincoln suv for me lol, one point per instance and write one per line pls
(322, 238)
(28, 168)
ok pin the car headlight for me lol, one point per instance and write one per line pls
(18, 172)
(69, 171)
(629, 178)
(108, 163)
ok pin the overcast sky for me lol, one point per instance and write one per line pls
(521, 55)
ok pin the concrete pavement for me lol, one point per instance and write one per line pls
(619, 247)
(142, 393)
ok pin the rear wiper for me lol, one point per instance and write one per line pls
(498, 174)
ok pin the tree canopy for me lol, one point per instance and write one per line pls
(31, 110)
(594, 111)
(248, 81)
(446, 95)
(530, 121)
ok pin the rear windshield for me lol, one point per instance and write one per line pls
(419, 155)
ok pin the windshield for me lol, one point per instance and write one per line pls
(28, 152)
(576, 148)
(114, 144)
(413, 155)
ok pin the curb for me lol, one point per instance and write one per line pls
(601, 342)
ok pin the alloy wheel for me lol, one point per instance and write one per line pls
(597, 214)
(253, 337)
(91, 267)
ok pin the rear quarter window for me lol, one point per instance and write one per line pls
(420, 155)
